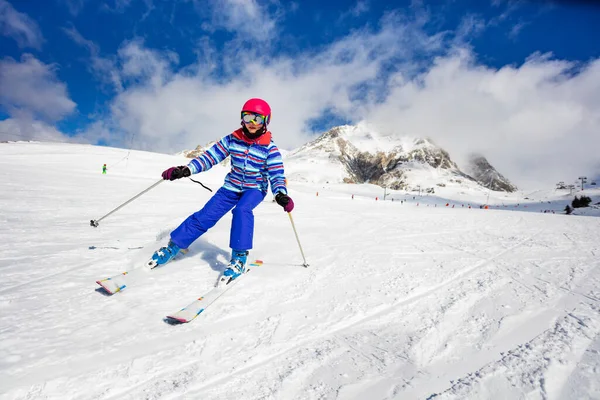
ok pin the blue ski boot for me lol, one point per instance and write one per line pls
(165, 254)
(237, 265)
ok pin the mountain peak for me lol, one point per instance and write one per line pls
(483, 172)
(361, 154)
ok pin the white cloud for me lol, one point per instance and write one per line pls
(121, 5)
(248, 19)
(470, 25)
(25, 128)
(31, 87)
(141, 64)
(164, 109)
(516, 29)
(537, 122)
(19, 26)
(360, 7)
(132, 63)
(355, 11)
(103, 68)
(74, 6)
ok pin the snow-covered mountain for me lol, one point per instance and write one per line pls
(362, 155)
(197, 151)
(481, 170)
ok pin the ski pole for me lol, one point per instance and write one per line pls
(95, 222)
(298, 240)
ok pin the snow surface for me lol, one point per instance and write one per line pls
(409, 299)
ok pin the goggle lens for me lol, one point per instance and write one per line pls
(255, 118)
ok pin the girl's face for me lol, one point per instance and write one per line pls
(252, 126)
(253, 122)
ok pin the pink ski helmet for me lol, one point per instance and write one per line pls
(258, 106)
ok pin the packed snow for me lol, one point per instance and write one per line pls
(427, 296)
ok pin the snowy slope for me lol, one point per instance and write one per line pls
(402, 300)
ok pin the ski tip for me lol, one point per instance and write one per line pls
(115, 289)
(175, 320)
(104, 287)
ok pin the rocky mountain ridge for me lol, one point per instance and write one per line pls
(365, 156)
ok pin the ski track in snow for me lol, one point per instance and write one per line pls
(399, 301)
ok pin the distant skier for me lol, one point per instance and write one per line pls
(255, 162)
(104, 169)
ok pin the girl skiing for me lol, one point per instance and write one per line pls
(255, 163)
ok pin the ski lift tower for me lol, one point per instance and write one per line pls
(487, 202)
(583, 180)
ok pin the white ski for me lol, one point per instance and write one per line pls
(117, 283)
(195, 308)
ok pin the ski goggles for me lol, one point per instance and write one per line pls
(250, 117)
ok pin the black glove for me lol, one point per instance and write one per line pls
(284, 201)
(176, 172)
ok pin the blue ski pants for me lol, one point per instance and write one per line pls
(242, 225)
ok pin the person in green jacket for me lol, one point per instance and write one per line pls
(104, 169)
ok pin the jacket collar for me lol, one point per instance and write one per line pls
(262, 140)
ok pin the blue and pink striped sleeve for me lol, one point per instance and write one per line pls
(211, 157)
(275, 170)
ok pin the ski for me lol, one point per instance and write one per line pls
(195, 308)
(118, 283)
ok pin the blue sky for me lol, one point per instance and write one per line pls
(515, 80)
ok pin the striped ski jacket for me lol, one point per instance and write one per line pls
(254, 163)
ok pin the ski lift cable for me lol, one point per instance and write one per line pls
(117, 163)
(126, 156)
(130, 147)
